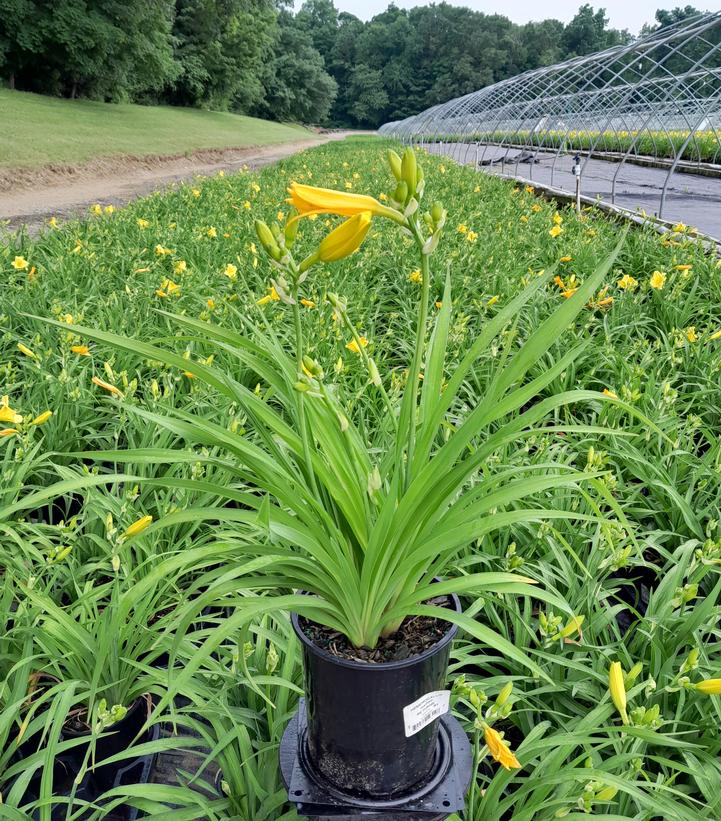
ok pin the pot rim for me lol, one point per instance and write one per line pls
(368, 666)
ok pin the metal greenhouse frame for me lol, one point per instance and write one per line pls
(641, 119)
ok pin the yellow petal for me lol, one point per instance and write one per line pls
(139, 526)
(106, 386)
(500, 752)
(346, 238)
(7, 414)
(307, 199)
(710, 687)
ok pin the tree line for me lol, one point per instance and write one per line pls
(260, 57)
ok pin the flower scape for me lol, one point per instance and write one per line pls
(258, 383)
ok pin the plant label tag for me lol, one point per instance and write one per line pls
(426, 709)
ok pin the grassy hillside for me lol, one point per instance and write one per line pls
(38, 130)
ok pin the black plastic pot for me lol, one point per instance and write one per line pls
(633, 587)
(115, 739)
(356, 733)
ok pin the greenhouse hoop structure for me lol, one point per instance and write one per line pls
(641, 122)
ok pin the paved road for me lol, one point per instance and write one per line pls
(690, 198)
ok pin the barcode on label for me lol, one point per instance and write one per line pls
(426, 709)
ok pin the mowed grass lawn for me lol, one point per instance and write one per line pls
(38, 130)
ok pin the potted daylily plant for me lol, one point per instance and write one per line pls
(365, 523)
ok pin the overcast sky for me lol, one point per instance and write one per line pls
(623, 14)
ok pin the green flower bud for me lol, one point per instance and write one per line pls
(409, 170)
(267, 240)
(505, 694)
(633, 674)
(401, 192)
(437, 211)
(606, 794)
(394, 161)
(312, 366)
(271, 659)
(652, 714)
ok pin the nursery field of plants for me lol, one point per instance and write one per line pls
(421, 384)
(701, 146)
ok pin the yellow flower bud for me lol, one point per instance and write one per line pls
(710, 687)
(24, 349)
(617, 689)
(138, 527)
(43, 418)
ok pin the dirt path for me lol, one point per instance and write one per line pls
(31, 197)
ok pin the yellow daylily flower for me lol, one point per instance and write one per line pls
(80, 350)
(500, 751)
(346, 238)
(691, 334)
(270, 297)
(555, 231)
(231, 271)
(627, 282)
(7, 414)
(20, 263)
(106, 386)
(307, 199)
(617, 689)
(138, 527)
(353, 345)
(415, 276)
(658, 280)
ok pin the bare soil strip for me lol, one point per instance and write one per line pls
(31, 196)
